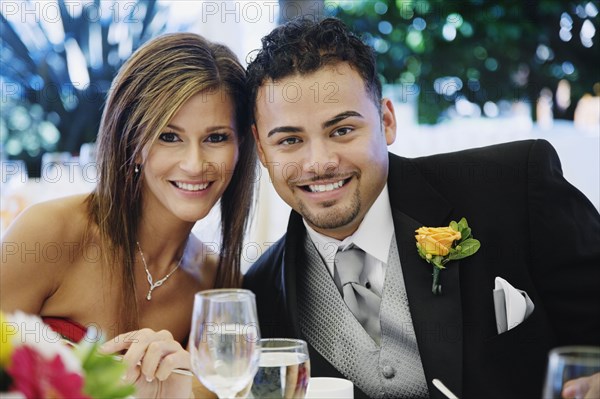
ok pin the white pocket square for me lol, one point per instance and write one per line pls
(512, 306)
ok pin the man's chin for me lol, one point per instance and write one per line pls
(331, 215)
(330, 219)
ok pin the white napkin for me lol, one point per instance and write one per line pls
(512, 306)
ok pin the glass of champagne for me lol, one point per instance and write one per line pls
(225, 340)
(568, 363)
(284, 369)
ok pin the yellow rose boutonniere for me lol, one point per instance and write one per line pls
(440, 245)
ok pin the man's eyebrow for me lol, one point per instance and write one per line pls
(284, 129)
(340, 117)
(293, 129)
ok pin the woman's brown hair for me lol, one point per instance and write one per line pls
(145, 95)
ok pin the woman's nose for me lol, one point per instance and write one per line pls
(192, 161)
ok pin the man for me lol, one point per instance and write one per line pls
(322, 130)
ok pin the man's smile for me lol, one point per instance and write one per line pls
(324, 187)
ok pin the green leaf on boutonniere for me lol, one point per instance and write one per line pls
(438, 261)
(454, 226)
(466, 248)
(463, 228)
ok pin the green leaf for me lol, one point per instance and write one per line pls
(454, 226)
(467, 248)
(437, 261)
(462, 224)
(102, 373)
(464, 234)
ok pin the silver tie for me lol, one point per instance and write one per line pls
(361, 301)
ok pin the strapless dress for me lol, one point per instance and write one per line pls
(68, 329)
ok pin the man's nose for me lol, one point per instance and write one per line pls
(321, 158)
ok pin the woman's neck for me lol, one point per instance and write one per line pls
(162, 245)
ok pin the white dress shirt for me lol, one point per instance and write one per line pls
(374, 236)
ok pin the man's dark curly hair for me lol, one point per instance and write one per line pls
(303, 46)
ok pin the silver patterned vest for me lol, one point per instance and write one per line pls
(392, 370)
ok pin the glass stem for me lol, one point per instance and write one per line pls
(226, 394)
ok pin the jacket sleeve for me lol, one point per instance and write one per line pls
(264, 279)
(565, 249)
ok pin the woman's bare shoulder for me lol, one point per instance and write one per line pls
(63, 219)
(38, 248)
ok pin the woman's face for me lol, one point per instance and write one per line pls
(187, 169)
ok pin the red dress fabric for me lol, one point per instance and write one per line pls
(68, 329)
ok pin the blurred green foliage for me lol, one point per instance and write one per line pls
(437, 52)
(482, 51)
(49, 101)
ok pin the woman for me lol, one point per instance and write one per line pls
(173, 140)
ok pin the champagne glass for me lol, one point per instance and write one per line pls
(225, 340)
(284, 369)
(568, 363)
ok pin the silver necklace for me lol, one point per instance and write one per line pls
(160, 282)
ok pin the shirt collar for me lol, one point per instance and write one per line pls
(378, 219)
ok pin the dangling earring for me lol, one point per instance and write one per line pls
(137, 169)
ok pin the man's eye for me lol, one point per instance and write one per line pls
(290, 141)
(342, 131)
(217, 138)
(169, 137)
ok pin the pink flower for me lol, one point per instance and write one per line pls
(37, 377)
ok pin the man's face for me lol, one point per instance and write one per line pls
(324, 142)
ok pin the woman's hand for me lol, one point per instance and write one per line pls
(585, 387)
(151, 358)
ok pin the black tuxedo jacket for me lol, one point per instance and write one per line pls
(536, 231)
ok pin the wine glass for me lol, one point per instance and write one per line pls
(225, 340)
(284, 369)
(568, 363)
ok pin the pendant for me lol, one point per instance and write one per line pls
(149, 296)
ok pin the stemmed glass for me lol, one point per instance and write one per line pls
(225, 340)
(568, 363)
(284, 369)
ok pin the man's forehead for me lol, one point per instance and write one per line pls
(326, 86)
(339, 70)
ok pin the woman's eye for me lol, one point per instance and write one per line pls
(217, 138)
(290, 141)
(169, 137)
(342, 131)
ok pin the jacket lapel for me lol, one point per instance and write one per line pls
(437, 319)
(294, 257)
